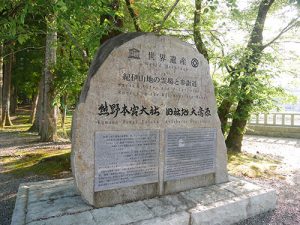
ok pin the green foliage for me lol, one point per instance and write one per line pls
(252, 72)
(12, 21)
(28, 65)
(81, 25)
(68, 79)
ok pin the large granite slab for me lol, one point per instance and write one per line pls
(146, 124)
(57, 202)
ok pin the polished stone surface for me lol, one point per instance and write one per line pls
(126, 158)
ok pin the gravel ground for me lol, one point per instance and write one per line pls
(287, 210)
(288, 191)
(288, 206)
(11, 143)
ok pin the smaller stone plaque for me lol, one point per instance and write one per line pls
(125, 158)
(189, 152)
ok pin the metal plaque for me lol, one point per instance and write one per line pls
(189, 152)
(125, 158)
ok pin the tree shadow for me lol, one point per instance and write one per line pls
(39, 164)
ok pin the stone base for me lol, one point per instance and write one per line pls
(57, 202)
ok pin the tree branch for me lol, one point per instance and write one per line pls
(133, 16)
(166, 17)
(13, 10)
(290, 25)
(32, 48)
(222, 50)
(188, 30)
(197, 30)
(84, 53)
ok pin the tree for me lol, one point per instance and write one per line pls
(112, 19)
(7, 72)
(12, 16)
(1, 81)
(49, 110)
(75, 29)
(197, 30)
(244, 79)
(133, 15)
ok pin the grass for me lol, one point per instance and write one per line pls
(21, 124)
(66, 131)
(252, 166)
(52, 162)
(37, 162)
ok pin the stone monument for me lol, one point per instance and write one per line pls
(146, 124)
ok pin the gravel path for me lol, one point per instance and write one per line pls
(10, 144)
(287, 211)
(288, 207)
(286, 148)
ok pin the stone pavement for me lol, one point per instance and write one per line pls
(57, 202)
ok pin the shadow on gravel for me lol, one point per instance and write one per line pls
(14, 138)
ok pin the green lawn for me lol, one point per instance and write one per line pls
(44, 161)
(51, 162)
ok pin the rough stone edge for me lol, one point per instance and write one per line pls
(102, 53)
(245, 206)
(20, 210)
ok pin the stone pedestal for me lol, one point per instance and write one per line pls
(57, 202)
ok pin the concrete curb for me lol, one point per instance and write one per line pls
(56, 202)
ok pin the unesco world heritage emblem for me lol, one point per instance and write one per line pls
(195, 62)
(134, 53)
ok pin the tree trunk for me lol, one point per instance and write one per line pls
(197, 30)
(36, 126)
(133, 15)
(238, 127)
(7, 69)
(228, 101)
(63, 110)
(34, 107)
(223, 112)
(249, 64)
(49, 118)
(1, 82)
(13, 100)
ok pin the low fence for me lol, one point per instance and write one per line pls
(275, 124)
(276, 119)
